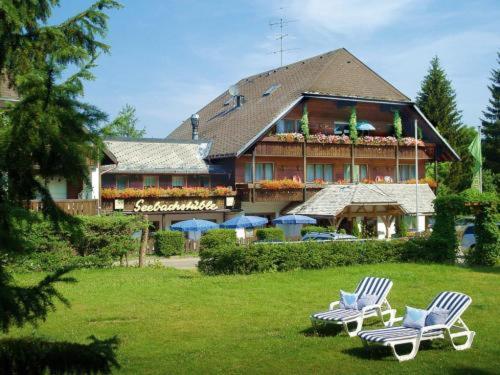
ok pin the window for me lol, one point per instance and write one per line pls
(271, 89)
(340, 127)
(406, 172)
(263, 171)
(319, 171)
(178, 181)
(150, 181)
(121, 182)
(410, 221)
(287, 126)
(360, 172)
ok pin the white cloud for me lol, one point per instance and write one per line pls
(354, 17)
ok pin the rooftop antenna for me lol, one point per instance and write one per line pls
(281, 24)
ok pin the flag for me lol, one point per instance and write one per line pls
(475, 150)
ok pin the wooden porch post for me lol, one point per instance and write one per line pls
(304, 157)
(397, 162)
(253, 174)
(144, 243)
(352, 163)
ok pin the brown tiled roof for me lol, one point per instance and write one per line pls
(336, 73)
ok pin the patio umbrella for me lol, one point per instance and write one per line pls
(194, 225)
(294, 219)
(244, 222)
(365, 126)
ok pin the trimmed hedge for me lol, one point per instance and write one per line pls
(295, 255)
(169, 242)
(270, 234)
(216, 238)
(315, 228)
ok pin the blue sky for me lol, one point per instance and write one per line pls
(169, 58)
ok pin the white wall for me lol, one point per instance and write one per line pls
(94, 180)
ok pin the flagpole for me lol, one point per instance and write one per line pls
(416, 175)
(481, 162)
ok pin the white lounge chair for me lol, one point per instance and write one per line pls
(377, 286)
(454, 302)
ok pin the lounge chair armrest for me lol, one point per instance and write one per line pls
(433, 327)
(333, 304)
(400, 319)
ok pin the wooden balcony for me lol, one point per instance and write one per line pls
(272, 147)
(246, 193)
(70, 206)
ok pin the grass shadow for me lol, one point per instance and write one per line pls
(37, 356)
(322, 331)
(379, 352)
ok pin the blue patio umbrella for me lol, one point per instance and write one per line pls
(244, 222)
(365, 126)
(294, 219)
(194, 225)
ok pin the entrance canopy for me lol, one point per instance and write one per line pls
(367, 200)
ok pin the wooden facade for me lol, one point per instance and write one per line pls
(290, 157)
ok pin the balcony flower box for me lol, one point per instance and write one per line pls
(221, 191)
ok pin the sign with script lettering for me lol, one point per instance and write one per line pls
(161, 206)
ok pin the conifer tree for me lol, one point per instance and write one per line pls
(49, 132)
(491, 123)
(353, 121)
(437, 100)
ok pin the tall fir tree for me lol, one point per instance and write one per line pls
(437, 100)
(491, 123)
(49, 132)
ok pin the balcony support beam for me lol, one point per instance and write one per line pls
(253, 174)
(304, 157)
(397, 163)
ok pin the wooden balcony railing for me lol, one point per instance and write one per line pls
(246, 193)
(70, 206)
(271, 146)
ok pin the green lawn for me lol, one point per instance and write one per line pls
(182, 322)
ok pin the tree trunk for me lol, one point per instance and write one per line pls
(144, 243)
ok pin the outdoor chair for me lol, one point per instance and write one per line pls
(375, 287)
(452, 302)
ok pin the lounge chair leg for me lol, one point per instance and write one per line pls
(354, 332)
(315, 326)
(468, 343)
(405, 357)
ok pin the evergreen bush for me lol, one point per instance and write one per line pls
(169, 242)
(270, 234)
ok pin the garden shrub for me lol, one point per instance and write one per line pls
(355, 229)
(312, 228)
(216, 238)
(270, 234)
(261, 257)
(443, 242)
(169, 242)
(86, 241)
(109, 235)
(401, 227)
(487, 249)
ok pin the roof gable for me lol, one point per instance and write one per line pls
(334, 73)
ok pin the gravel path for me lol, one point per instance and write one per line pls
(182, 263)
